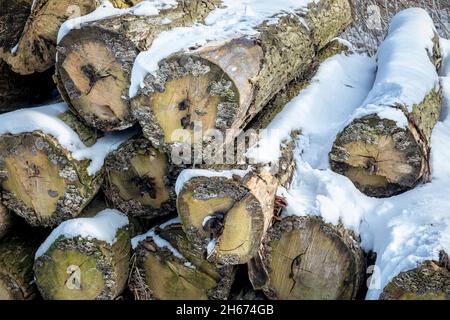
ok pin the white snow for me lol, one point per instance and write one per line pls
(233, 19)
(103, 227)
(14, 49)
(162, 243)
(189, 174)
(46, 120)
(106, 10)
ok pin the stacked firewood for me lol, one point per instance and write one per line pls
(96, 176)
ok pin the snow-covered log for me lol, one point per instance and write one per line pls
(6, 220)
(307, 259)
(385, 150)
(166, 266)
(85, 258)
(224, 83)
(140, 181)
(95, 60)
(16, 268)
(51, 164)
(226, 214)
(429, 281)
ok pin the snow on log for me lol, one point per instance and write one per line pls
(95, 59)
(140, 181)
(227, 215)
(6, 220)
(307, 259)
(85, 258)
(385, 150)
(16, 268)
(429, 281)
(167, 266)
(230, 73)
(51, 164)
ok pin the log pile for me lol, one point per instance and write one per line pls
(99, 169)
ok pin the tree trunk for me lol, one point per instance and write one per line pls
(98, 58)
(381, 157)
(140, 181)
(168, 267)
(223, 86)
(429, 281)
(227, 217)
(6, 220)
(13, 16)
(16, 268)
(307, 259)
(40, 179)
(83, 267)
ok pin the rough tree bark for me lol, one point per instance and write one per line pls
(223, 86)
(16, 268)
(6, 220)
(382, 158)
(95, 61)
(177, 270)
(41, 181)
(140, 181)
(83, 268)
(307, 259)
(429, 281)
(13, 16)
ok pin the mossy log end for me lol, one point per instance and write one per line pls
(159, 273)
(429, 281)
(94, 65)
(233, 214)
(223, 86)
(40, 179)
(84, 269)
(384, 159)
(16, 268)
(307, 259)
(6, 220)
(13, 16)
(140, 181)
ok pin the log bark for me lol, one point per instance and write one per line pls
(228, 216)
(429, 281)
(307, 259)
(381, 157)
(13, 16)
(16, 268)
(40, 179)
(6, 220)
(159, 273)
(84, 268)
(223, 86)
(140, 181)
(98, 58)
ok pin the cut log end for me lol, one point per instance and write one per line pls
(177, 273)
(187, 92)
(379, 157)
(429, 281)
(139, 180)
(307, 259)
(84, 269)
(40, 182)
(93, 71)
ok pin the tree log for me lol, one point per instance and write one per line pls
(13, 16)
(6, 220)
(95, 61)
(168, 267)
(227, 217)
(223, 86)
(140, 181)
(73, 265)
(16, 268)
(40, 179)
(429, 281)
(381, 157)
(307, 259)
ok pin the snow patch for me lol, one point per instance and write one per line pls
(103, 227)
